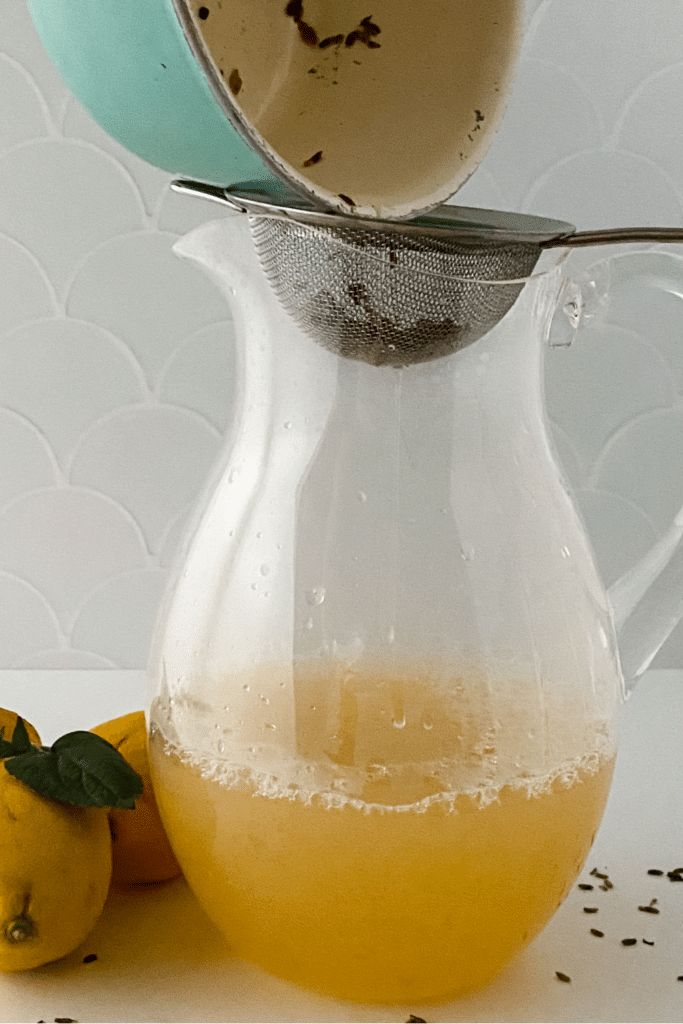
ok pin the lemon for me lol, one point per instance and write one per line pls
(142, 852)
(8, 722)
(55, 867)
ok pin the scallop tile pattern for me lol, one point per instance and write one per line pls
(117, 359)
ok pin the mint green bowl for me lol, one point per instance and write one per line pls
(129, 63)
(352, 111)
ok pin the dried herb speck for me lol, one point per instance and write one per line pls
(585, 887)
(648, 942)
(316, 158)
(655, 871)
(591, 910)
(307, 33)
(415, 1020)
(203, 13)
(294, 9)
(562, 976)
(235, 82)
(331, 41)
(629, 942)
(90, 958)
(350, 202)
(649, 909)
(596, 931)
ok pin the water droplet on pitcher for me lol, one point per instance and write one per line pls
(246, 686)
(309, 624)
(259, 534)
(362, 497)
(271, 726)
(316, 595)
(263, 698)
(427, 722)
(254, 586)
(265, 569)
(399, 723)
(287, 425)
(391, 634)
(220, 747)
(566, 553)
(467, 552)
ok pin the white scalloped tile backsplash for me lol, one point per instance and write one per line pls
(117, 360)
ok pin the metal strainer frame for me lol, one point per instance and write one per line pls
(399, 292)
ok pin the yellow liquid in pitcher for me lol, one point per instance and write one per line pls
(373, 903)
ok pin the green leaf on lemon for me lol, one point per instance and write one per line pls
(19, 743)
(79, 768)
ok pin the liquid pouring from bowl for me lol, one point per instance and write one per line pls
(394, 292)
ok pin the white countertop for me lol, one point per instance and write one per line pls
(159, 959)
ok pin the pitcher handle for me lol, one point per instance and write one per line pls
(647, 600)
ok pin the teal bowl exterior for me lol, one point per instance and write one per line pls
(129, 63)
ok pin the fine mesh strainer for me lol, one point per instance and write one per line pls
(400, 292)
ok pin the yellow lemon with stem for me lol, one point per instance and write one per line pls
(55, 844)
(55, 866)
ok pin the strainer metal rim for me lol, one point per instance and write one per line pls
(468, 225)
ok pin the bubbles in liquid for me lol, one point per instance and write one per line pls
(399, 722)
(269, 725)
(316, 595)
(246, 686)
(427, 722)
(263, 699)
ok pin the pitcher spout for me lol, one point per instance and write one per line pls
(223, 248)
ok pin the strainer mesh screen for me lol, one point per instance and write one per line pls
(388, 298)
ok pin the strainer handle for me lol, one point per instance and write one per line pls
(217, 193)
(615, 236)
